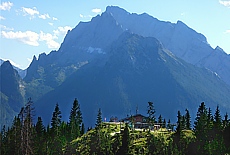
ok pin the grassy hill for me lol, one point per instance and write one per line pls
(110, 138)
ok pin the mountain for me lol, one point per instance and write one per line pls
(118, 61)
(184, 42)
(138, 69)
(12, 93)
(21, 72)
(181, 40)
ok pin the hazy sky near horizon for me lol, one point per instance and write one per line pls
(30, 28)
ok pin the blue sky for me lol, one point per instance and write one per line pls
(32, 27)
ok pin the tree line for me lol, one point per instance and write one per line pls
(209, 134)
(25, 137)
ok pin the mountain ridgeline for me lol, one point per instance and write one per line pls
(118, 61)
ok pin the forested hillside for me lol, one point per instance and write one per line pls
(209, 134)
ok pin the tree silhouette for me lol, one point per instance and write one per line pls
(151, 113)
(187, 120)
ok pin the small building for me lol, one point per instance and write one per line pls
(139, 121)
(135, 119)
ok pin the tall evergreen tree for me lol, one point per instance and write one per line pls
(183, 123)
(200, 124)
(14, 140)
(179, 125)
(56, 119)
(201, 128)
(99, 118)
(210, 120)
(178, 140)
(160, 120)
(151, 113)
(187, 120)
(217, 120)
(39, 127)
(40, 137)
(100, 136)
(75, 121)
(164, 124)
(55, 144)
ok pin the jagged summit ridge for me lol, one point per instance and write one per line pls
(87, 40)
(180, 39)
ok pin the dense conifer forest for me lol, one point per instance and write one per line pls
(210, 134)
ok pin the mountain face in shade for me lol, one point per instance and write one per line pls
(12, 92)
(137, 70)
(21, 72)
(119, 61)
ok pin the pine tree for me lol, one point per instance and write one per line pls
(164, 124)
(179, 125)
(75, 120)
(183, 123)
(98, 146)
(56, 120)
(217, 120)
(40, 147)
(151, 113)
(187, 120)
(99, 119)
(200, 124)
(14, 139)
(79, 115)
(201, 128)
(215, 143)
(177, 134)
(209, 120)
(39, 127)
(55, 143)
(160, 120)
